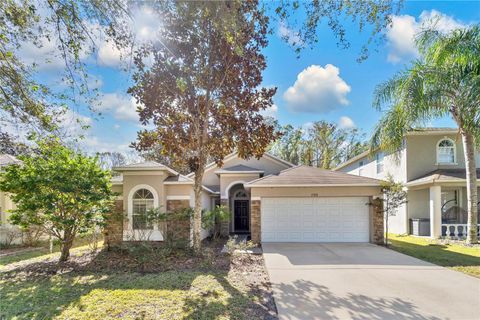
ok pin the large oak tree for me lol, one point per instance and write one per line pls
(202, 92)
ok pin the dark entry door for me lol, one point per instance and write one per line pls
(241, 215)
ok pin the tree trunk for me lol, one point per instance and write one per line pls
(197, 213)
(65, 249)
(471, 175)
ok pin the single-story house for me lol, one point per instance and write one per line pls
(270, 200)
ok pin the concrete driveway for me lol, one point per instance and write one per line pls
(364, 281)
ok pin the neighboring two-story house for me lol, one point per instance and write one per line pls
(431, 166)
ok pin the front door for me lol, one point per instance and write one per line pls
(241, 215)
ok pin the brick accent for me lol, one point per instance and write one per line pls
(255, 221)
(378, 232)
(225, 225)
(113, 231)
(181, 228)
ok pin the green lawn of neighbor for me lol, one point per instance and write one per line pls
(451, 255)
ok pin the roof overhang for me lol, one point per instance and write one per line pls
(239, 172)
(310, 185)
(437, 182)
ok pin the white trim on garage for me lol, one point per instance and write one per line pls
(322, 219)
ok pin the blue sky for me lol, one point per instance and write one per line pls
(324, 83)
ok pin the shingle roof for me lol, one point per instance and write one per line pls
(178, 178)
(147, 166)
(310, 176)
(6, 159)
(442, 175)
(215, 188)
(238, 168)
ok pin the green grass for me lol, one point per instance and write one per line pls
(28, 290)
(42, 253)
(167, 295)
(454, 256)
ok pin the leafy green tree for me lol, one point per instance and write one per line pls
(63, 192)
(304, 19)
(289, 145)
(444, 81)
(393, 198)
(323, 145)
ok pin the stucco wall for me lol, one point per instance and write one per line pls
(153, 180)
(6, 204)
(394, 164)
(422, 154)
(226, 181)
(418, 203)
(318, 191)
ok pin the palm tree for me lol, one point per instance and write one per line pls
(444, 81)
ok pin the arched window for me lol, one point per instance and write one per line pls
(142, 201)
(240, 194)
(446, 152)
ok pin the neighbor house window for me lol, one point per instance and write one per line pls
(379, 157)
(446, 151)
(142, 202)
(360, 169)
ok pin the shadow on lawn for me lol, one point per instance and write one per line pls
(436, 254)
(28, 295)
(352, 306)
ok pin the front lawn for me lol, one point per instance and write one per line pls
(100, 286)
(455, 256)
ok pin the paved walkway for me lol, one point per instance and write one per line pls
(364, 281)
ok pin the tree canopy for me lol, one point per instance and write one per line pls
(323, 145)
(63, 192)
(202, 94)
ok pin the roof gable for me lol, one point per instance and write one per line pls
(234, 155)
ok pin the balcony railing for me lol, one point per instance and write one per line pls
(456, 230)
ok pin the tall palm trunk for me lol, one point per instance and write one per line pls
(471, 175)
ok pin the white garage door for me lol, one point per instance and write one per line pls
(336, 219)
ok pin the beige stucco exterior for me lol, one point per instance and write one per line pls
(223, 183)
(417, 158)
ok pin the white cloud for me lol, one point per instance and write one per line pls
(317, 90)
(93, 144)
(116, 126)
(404, 28)
(346, 123)
(121, 107)
(73, 123)
(270, 112)
(109, 55)
(288, 34)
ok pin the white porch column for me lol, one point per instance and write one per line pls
(435, 211)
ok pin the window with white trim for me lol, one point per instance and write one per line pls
(379, 159)
(446, 153)
(142, 202)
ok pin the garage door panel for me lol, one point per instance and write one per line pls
(334, 219)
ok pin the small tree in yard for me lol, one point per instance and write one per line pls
(201, 92)
(63, 192)
(393, 197)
